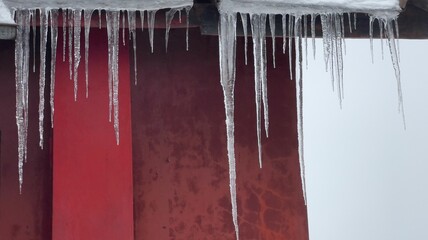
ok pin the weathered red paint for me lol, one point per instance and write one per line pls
(92, 177)
(27, 215)
(181, 182)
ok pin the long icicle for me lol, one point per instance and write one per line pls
(258, 27)
(113, 25)
(389, 26)
(169, 15)
(22, 52)
(42, 82)
(54, 44)
(227, 49)
(299, 99)
(87, 15)
(151, 16)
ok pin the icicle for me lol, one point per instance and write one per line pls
(123, 27)
(272, 33)
(169, 15)
(113, 24)
(132, 32)
(179, 16)
(244, 20)
(258, 27)
(151, 16)
(64, 32)
(70, 16)
(22, 52)
(87, 18)
(333, 49)
(299, 99)
(371, 37)
(397, 37)
(313, 19)
(142, 20)
(33, 17)
(187, 27)
(342, 26)
(355, 21)
(227, 49)
(381, 37)
(290, 49)
(99, 19)
(77, 14)
(43, 42)
(349, 22)
(54, 39)
(394, 58)
(305, 34)
(284, 33)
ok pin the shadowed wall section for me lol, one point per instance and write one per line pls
(25, 216)
(181, 182)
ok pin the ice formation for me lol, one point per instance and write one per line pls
(254, 15)
(46, 12)
(294, 29)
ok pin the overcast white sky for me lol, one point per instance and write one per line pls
(367, 176)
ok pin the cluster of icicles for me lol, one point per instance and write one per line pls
(72, 22)
(295, 27)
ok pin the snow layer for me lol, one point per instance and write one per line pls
(100, 4)
(5, 16)
(308, 6)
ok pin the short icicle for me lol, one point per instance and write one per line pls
(132, 34)
(244, 20)
(77, 14)
(87, 15)
(187, 26)
(33, 17)
(227, 49)
(42, 78)
(284, 32)
(70, 41)
(272, 33)
(313, 34)
(151, 17)
(64, 32)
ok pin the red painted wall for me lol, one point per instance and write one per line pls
(180, 172)
(92, 177)
(181, 183)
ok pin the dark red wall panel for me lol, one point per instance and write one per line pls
(92, 177)
(26, 216)
(181, 182)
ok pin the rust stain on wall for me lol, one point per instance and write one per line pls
(181, 182)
